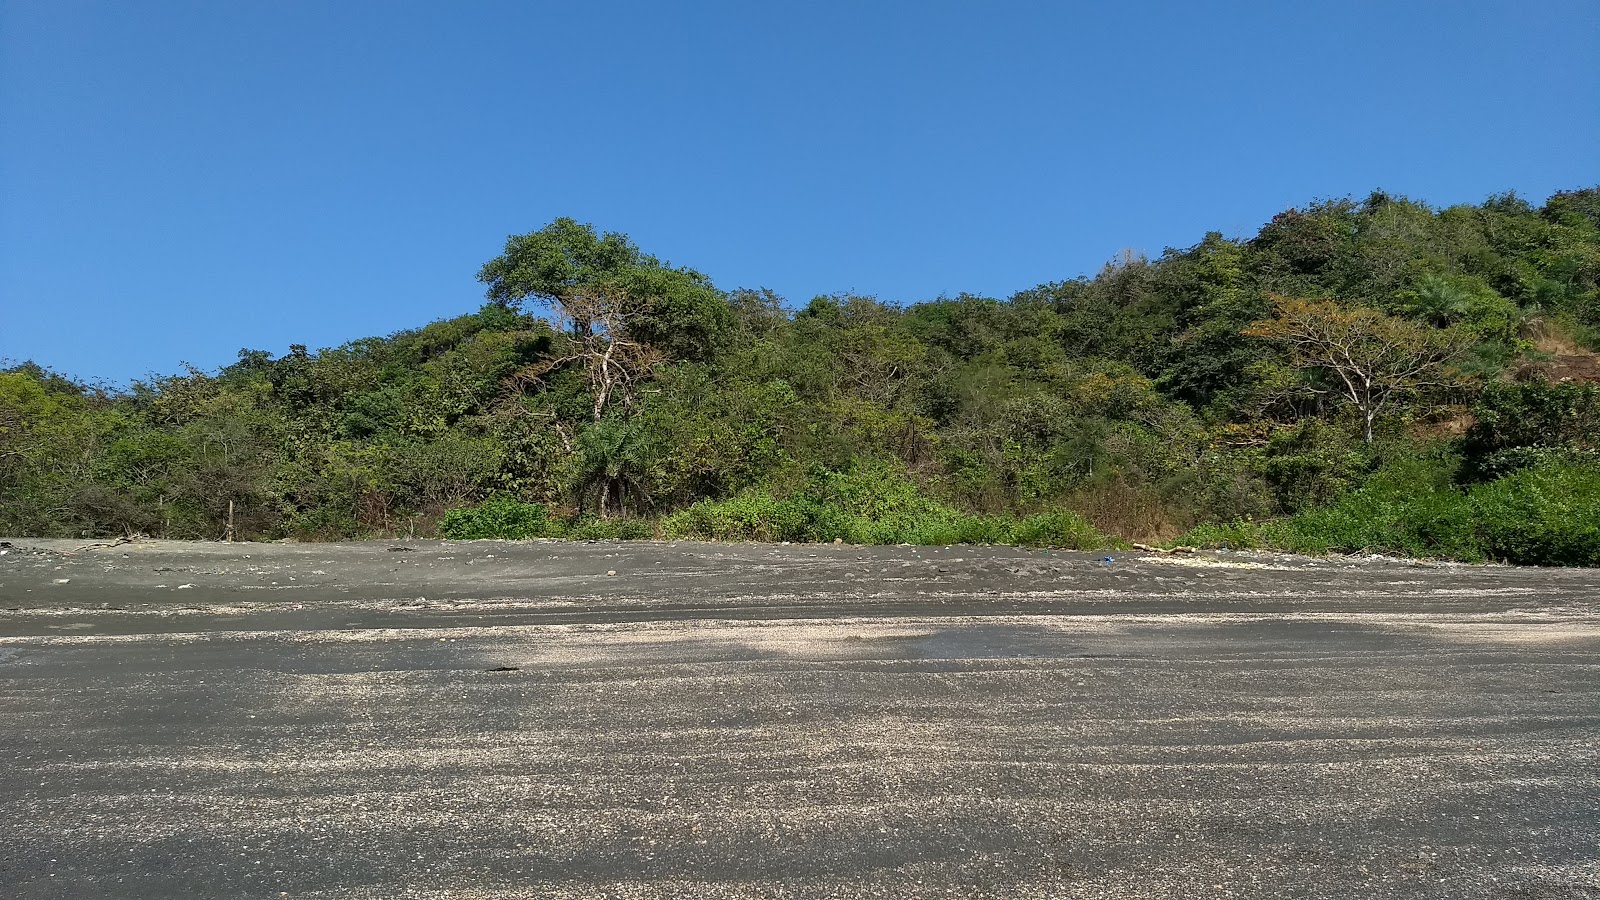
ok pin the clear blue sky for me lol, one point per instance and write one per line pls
(182, 179)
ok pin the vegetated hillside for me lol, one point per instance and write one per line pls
(1359, 375)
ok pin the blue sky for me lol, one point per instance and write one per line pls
(182, 179)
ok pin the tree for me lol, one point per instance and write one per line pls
(1444, 300)
(677, 310)
(603, 321)
(612, 459)
(1373, 358)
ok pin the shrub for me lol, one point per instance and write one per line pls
(1548, 515)
(757, 515)
(975, 530)
(498, 517)
(1311, 465)
(1527, 423)
(1429, 522)
(1545, 515)
(871, 503)
(1231, 536)
(1410, 506)
(876, 502)
(609, 530)
(1130, 510)
(1064, 530)
(321, 523)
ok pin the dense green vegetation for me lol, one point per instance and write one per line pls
(1374, 375)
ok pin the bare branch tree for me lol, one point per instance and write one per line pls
(615, 362)
(1372, 357)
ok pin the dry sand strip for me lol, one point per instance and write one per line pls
(1405, 732)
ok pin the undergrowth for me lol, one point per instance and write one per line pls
(1548, 514)
(866, 505)
(1545, 515)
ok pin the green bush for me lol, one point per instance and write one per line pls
(1232, 536)
(1065, 530)
(876, 502)
(980, 530)
(1410, 507)
(867, 504)
(1311, 465)
(1524, 424)
(1545, 515)
(323, 523)
(498, 517)
(870, 508)
(610, 530)
(1436, 523)
(758, 516)
(1548, 516)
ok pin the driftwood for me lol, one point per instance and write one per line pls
(131, 539)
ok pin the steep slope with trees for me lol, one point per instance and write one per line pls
(1374, 375)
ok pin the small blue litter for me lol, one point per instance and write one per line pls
(1106, 559)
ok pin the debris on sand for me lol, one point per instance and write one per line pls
(130, 539)
(1211, 562)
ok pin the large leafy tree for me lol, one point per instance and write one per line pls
(565, 264)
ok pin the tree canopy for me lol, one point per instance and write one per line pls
(677, 309)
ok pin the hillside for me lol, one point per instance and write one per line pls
(1374, 375)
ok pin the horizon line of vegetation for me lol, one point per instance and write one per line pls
(1358, 376)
